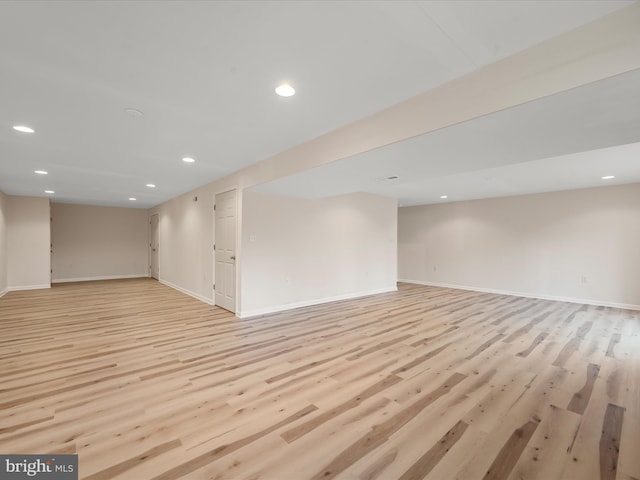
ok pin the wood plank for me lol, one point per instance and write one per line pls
(128, 464)
(304, 428)
(510, 452)
(225, 449)
(628, 458)
(381, 432)
(549, 449)
(537, 341)
(615, 339)
(580, 400)
(610, 441)
(484, 346)
(430, 459)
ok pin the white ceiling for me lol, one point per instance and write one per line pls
(203, 73)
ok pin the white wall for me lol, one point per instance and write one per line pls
(91, 243)
(28, 243)
(537, 245)
(3, 244)
(299, 252)
(186, 244)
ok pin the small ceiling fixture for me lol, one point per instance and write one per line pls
(285, 90)
(188, 160)
(23, 129)
(392, 177)
(133, 199)
(444, 196)
(41, 172)
(151, 185)
(49, 191)
(134, 112)
(608, 177)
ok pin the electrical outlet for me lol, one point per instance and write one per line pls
(583, 279)
(435, 268)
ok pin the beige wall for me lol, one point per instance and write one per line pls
(28, 243)
(299, 252)
(537, 245)
(91, 243)
(3, 244)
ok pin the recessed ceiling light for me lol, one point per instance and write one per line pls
(41, 172)
(608, 177)
(285, 90)
(134, 112)
(49, 191)
(133, 199)
(444, 196)
(188, 160)
(151, 185)
(23, 129)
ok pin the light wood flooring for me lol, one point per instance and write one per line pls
(145, 383)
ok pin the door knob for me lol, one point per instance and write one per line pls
(233, 257)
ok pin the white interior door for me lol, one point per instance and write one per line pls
(154, 247)
(225, 250)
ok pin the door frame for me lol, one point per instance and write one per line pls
(150, 270)
(237, 245)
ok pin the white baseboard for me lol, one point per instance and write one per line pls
(28, 287)
(307, 303)
(187, 292)
(4, 292)
(585, 301)
(93, 279)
